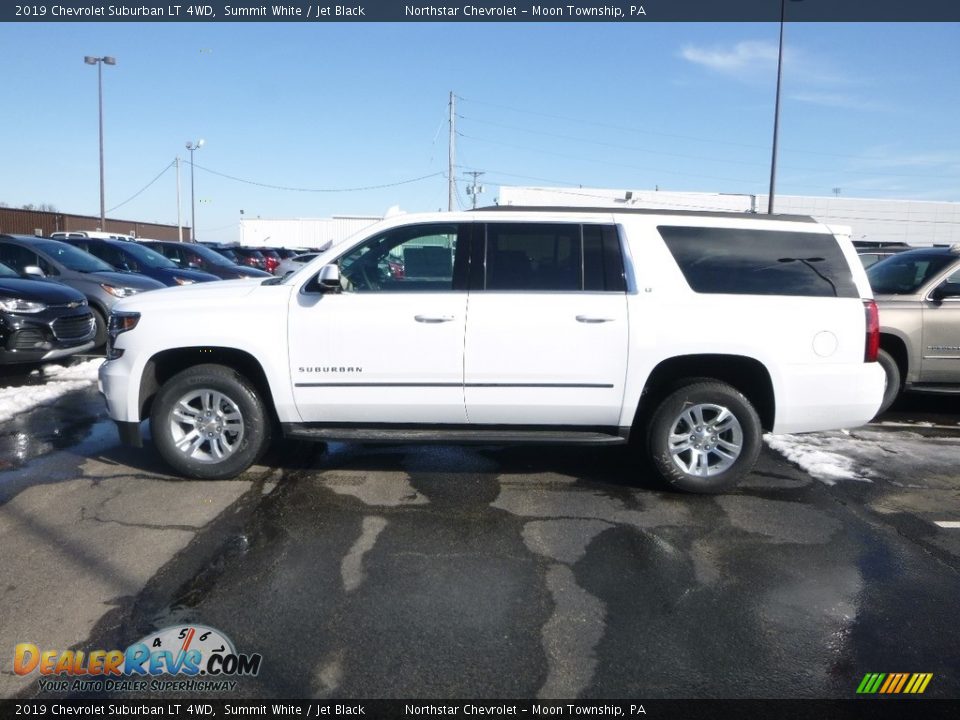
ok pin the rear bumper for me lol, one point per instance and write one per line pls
(812, 398)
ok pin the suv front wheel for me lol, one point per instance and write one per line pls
(209, 422)
(704, 437)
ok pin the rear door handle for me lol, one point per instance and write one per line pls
(592, 319)
(433, 318)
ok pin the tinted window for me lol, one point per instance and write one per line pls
(17, 257)
(111, 255)
(144, 256)
(760, 262)
(553, 257)
(904, 274)
(602, 259)
(71, 257)
(7, 272)
(416, 258)
(533, 256)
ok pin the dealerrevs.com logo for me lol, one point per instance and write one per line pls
(178, 658)
(894, 683)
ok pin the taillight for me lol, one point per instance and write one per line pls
(872, 346)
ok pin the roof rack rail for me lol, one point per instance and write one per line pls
(644, 211)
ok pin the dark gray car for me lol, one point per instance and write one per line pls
(99, 282)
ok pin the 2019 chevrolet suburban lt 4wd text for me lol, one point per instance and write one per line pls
(690, 333)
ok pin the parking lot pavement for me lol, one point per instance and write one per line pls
(82, 532)
(431, 572)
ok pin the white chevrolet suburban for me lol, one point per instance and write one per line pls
(689, 333)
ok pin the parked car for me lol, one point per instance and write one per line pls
(271, 257)
(41, 320)
(134, 257)
(77, 234)
(293, 264)
(250, 256)
(99, 283)
(918, 293)
(200, 257)
(691, 333)
(872, 252)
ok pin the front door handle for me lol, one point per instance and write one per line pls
(592, 319)
(433, 318)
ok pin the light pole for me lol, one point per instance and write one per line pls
(191, 146)
(776, 110)
(99, 62)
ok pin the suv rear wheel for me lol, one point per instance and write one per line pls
(704, 437)
(209, 422)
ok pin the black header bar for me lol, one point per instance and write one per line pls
(192, 709)
(485, 11)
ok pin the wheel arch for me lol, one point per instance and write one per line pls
(167, 363)
(746, 374)
(896, 346)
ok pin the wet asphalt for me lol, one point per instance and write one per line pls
(362, 571)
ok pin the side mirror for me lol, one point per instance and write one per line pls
(33, 271)
(327, 280)
(945, 290)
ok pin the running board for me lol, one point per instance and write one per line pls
(457, 436)
(934, 388)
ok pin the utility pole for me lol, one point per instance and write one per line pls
(474, 189)
(99, 62)
(451, 180)
(179, 216)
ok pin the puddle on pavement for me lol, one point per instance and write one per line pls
(43, 430)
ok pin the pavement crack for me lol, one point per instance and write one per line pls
(144, 526)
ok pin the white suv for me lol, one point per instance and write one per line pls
(690, 333)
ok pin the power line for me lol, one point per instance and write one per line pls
(318, 190)
(604, 162)
(618, 146)
(142, 189)
(648, 131)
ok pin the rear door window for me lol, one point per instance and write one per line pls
(552, 257)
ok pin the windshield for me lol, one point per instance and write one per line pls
(212, 256)
(7, 272)
(71, 258)
(146, 256)
(906, 273)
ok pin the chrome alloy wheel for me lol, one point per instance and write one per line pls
(206, 426)
(705, 440)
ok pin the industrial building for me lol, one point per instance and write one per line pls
(916, 222)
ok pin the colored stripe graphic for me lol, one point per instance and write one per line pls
(894, 683)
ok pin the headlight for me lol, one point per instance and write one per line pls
(183, 281)
(119, 291)
(18, 305)
(119, 322)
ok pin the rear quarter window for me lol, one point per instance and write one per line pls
(739, 261)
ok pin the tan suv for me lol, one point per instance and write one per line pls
(918, 292)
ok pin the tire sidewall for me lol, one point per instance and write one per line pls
(100, 323)
(256, 433)
(666, 414)
(891, 390)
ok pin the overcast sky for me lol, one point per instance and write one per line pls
(289, 109)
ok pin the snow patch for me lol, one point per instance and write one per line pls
(59, 381)
(820, 456)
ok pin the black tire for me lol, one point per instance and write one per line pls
(100, 322)
(717, 467)
(220, 401)
(894, 384)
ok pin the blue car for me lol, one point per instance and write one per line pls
(134, 257)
